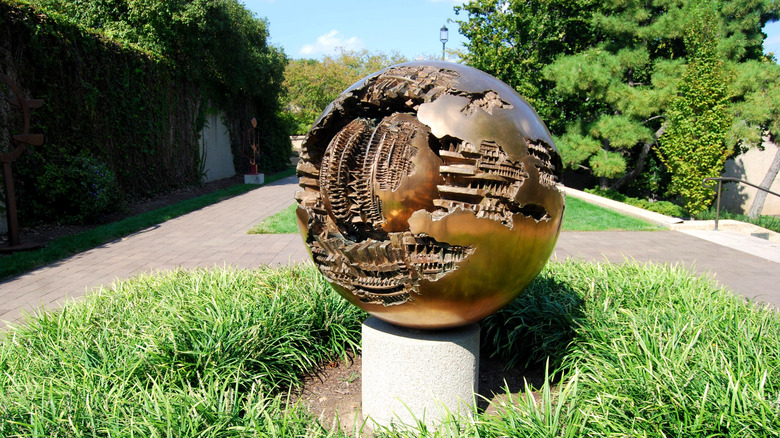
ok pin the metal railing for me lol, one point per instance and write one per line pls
(730, 179)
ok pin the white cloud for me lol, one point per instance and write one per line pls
(332, 43)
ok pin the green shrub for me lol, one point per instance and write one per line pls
(130, 82)
(81, 190)
(697, 118)
(535, 327)
(647, 350)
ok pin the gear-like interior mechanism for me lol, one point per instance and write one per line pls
(416, 177)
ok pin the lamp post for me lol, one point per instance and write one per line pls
(443, 36)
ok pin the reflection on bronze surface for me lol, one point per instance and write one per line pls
(428, 194)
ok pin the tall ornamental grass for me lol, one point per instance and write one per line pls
(198, 353)
(631, 350)
(649, 350)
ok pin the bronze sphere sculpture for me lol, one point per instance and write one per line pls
(428, 194)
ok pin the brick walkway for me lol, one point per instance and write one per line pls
(216, 236)
(212, 236)
(751, 276)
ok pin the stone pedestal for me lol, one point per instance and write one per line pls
(254, 178)
(415, 375)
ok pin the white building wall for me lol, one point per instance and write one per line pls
(215, 149)
(751, 167)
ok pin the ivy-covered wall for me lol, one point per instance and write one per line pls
(119, 122)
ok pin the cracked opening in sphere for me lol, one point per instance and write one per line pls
(429, 185)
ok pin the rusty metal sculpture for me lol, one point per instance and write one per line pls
(22, 139)
(252, 139)
(428, 194)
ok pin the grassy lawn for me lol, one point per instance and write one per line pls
(639, 350)
(578, 216)
(283, 222)
(63, 247)
(581, 216)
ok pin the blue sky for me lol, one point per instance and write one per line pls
(314, 28)
(772, 42)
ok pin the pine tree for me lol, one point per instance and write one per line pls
(693, 147)
(603, 74)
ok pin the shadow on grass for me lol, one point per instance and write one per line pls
(520, 339)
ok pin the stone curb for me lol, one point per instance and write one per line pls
(729, 225)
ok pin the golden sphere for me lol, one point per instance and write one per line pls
(428, 194)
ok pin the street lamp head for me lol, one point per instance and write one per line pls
(444, 34)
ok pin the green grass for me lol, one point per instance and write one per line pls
(633, 350)
(578, 216)
(197, 353)
(582, 216)
(651, 350)
(283, 222)
(662, 207)
(58, 249)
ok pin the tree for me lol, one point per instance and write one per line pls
(219, 41)
(218, 44)
(605, 88)
(766, 183)
(515, 40)
(312, 84)
(693, 147)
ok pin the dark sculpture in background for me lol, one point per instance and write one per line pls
(19, 142)
(428, 194)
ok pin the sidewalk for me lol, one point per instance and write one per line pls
(212, 236)
(732, 256)
(216, 236)
(749, 275)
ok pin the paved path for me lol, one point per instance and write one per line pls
(216, 236)
(212, 236)
(751, 276)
